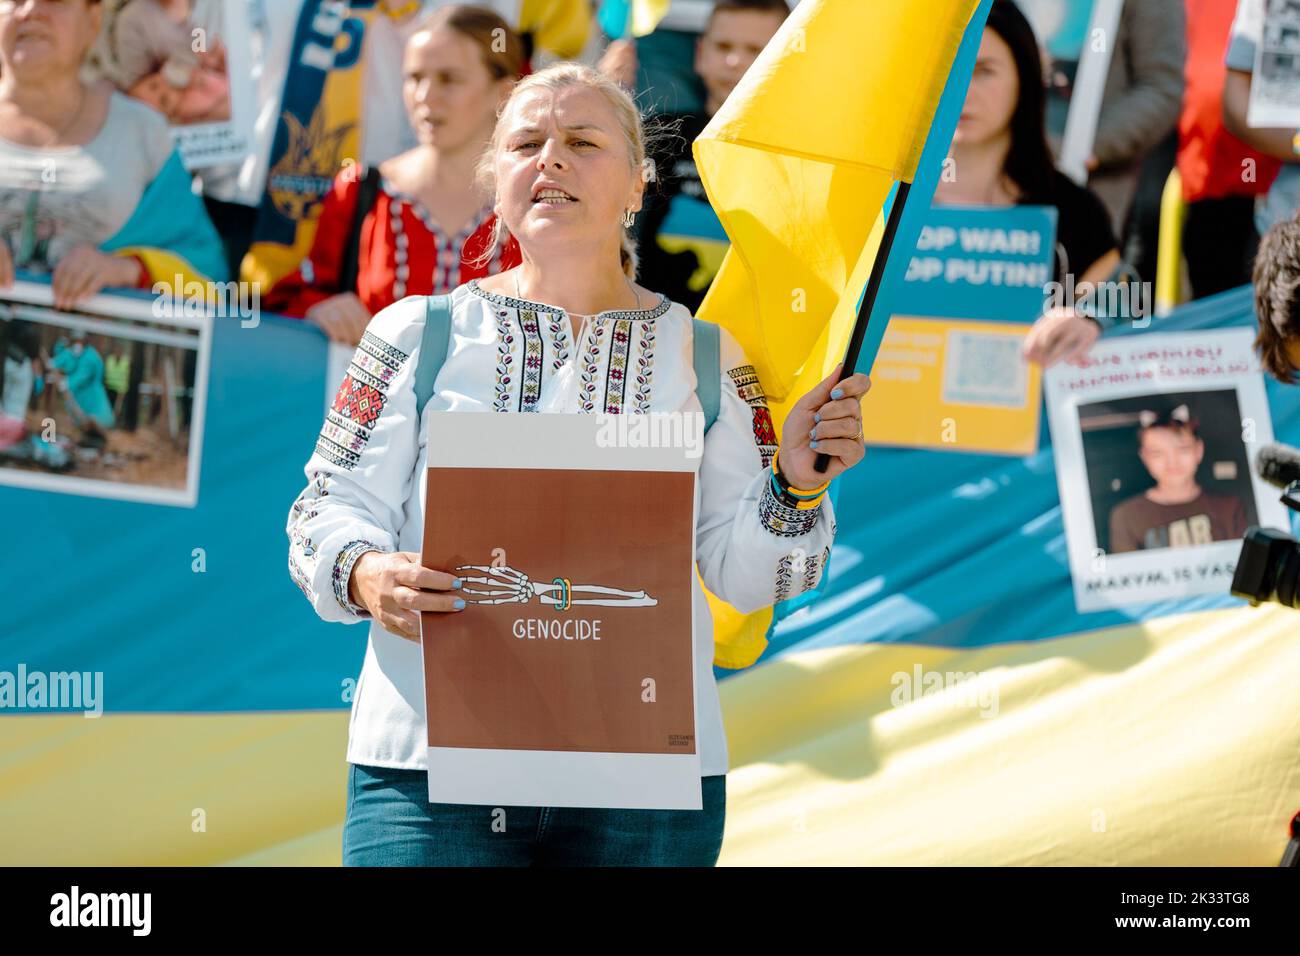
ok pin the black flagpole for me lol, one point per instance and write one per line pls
(869, 297)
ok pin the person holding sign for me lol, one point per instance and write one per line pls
(1000, 157)
(567, 331)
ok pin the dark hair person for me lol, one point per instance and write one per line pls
(566, 165)
(427, 226)
(1001, 158)
(1277, 300)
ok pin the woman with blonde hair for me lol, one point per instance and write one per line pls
(566, 163)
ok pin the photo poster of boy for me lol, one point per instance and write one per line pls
(1154, 436)
(189, 60)
(1178, 510)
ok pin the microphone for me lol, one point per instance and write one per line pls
(1278, 464)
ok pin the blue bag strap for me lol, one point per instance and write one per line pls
(708, 369)
(433, 347)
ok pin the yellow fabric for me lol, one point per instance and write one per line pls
(164, 266)
(560, 27)
(799, 181)
(1174, 743)
(738, 638)
(122, 789)
(646, 15)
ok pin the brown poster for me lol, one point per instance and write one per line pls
(577, 633)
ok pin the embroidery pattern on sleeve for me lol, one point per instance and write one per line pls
(359, 401)
(788, 566)
(343, 571)
(815, 568)
(302, 552)
(784, 575)
(751, 390)
(780, 519)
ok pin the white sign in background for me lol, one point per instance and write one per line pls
(1154, 365)
(1275, 84)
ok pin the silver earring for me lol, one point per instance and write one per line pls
(628, 217)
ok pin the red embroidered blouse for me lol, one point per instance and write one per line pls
(402, 252)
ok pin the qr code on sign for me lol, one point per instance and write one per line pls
(985, 368)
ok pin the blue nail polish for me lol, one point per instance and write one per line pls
(459, 604)
(813, 443)
(817, 417)
(813, 433)
(837, 393)
(455, 582)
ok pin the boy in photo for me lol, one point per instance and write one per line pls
(1177, 512)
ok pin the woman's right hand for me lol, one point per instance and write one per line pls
(342, 317)
(395, 588)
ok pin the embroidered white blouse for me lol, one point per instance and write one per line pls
(365, 488)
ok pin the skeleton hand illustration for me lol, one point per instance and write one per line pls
(505, 585)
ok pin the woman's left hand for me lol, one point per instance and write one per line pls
(84, 271)
(828, 419)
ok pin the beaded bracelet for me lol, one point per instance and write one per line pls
(804, 500)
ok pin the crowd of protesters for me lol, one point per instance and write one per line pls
(409, 213)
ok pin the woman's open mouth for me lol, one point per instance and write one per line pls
(553, 197)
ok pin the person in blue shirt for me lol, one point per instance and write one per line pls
(82, 385)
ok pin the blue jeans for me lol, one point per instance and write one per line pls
(390, 822)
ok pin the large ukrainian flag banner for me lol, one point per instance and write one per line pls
(942, 703)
